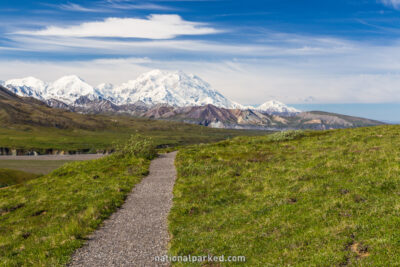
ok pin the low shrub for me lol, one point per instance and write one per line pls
(286, 135)
(138, 146)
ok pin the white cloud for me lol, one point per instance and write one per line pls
(392, 3)
(153, 27)
(79, 8)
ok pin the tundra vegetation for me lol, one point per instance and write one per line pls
(32, 166)
(321, 198)
(10, 177)
(118, 129)
(44, 220)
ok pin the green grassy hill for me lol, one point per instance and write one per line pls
(39, 167)
(292, 199)
(10, 177)
(44, 220)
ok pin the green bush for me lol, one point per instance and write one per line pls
(286, 135)
(138, 146)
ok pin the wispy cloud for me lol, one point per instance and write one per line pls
(79, 8)
(152, 27)
(391, 3)
(155, 35)
(110, 6)
(289, 47)
(142, 6)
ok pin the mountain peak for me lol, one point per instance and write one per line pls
(28, 86)
(175, 88)
(69, 88)
(274, 106)
(153, 72)
(177, 74)
(29, 81)
(70, 78)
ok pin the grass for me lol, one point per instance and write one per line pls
(33, 166)
(117, 130)
(44, 220)
(295, 199)
(11, 177)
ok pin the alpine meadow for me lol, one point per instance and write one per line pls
(199, 133)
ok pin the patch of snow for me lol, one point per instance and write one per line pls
(276, 107)
(217, 124)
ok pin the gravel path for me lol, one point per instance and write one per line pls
(137, 232)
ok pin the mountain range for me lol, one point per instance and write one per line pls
(173, 96)
(175, 88)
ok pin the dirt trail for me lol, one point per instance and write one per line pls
(137, 232)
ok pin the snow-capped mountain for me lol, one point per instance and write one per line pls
(27, 87)
(106, 89)
(66, 89)
(70, 88)
(174, 88)
(276, 107)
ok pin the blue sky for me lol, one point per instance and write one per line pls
(298, 52)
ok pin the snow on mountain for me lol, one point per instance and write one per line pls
(105, 87)
(174, 88)
(155, 87)
(69, 88)
(106, 90)
(66, 89)
(276, 107)
(27, 87)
